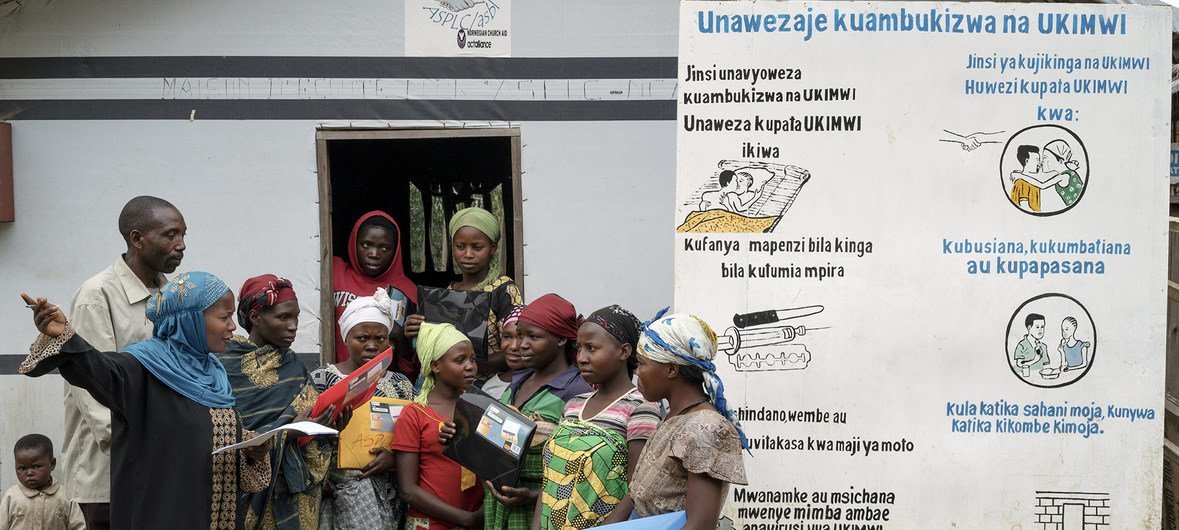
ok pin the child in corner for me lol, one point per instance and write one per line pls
(441, 493)
(36, 501)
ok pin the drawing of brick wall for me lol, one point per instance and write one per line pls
(1072, 510)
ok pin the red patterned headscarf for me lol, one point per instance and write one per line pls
(262, 292)
(553, 314)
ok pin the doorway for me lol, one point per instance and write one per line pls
(420, 177)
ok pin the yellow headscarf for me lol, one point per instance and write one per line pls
(433, 342)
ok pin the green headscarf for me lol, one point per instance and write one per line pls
(483, 221)
(433, 342)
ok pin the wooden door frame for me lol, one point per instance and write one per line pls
(327, 305)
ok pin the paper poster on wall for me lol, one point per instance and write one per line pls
(454, 28)
(931, 238)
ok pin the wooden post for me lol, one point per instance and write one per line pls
(7, 203)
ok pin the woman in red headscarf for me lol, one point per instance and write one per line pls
(374, 262)
(546, 335)
(271, 387)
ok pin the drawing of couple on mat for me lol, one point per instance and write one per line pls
(744, 196)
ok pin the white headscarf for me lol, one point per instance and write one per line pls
(377, 308)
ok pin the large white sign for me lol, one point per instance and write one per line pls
(932, 239)
(451, 28)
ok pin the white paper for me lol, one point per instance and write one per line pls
(308, 428)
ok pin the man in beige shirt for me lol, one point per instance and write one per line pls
(110, 312)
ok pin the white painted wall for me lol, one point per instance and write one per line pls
(541, 28)
(598, 194)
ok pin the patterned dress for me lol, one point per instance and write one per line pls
(373, 502)
(271, 386)
(701, 442)
(545, 407)
(586, 459)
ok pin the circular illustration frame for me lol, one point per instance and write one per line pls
(1007, 335)
(1003, 177)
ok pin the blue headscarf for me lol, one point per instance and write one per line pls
(687, 340)
(177, 353)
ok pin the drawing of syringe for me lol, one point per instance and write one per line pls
(734, 340)
(767, 348)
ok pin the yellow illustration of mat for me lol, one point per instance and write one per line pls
(718, 220)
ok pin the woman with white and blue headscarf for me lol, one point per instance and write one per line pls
(696, 452)
(171, 406)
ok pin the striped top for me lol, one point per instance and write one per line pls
(629, 415)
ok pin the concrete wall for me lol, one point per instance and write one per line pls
(598, 194)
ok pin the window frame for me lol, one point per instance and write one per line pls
(323, 135)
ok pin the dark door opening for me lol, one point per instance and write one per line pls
(420, 177)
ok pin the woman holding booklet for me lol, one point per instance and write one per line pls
(364, 498)
(271, 388)
(171, 405)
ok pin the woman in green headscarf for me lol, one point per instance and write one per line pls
(474, 242)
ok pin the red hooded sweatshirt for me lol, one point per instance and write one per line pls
(349, 282)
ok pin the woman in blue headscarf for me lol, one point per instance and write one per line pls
(695, 453)
(171, 406)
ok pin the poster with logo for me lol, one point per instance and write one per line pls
(931, 238)
(454, 28)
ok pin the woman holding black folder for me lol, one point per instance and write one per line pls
(441, 493)
(547, 335)
(474, 241)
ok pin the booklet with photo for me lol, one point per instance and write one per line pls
(491, 438)
(371, 426)
(356, 388)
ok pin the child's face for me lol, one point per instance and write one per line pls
(457, 366)
(1067, 329)
(1036, 329)
(472, 250)
(34, 468)
(511, 346)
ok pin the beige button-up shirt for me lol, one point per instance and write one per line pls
(110, 312)
(43, 509)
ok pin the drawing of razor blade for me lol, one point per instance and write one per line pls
(784, 358)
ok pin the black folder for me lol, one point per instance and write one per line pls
(491, 439)
(467, 310)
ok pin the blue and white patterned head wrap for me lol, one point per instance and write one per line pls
(177, 353)
(685, 339)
